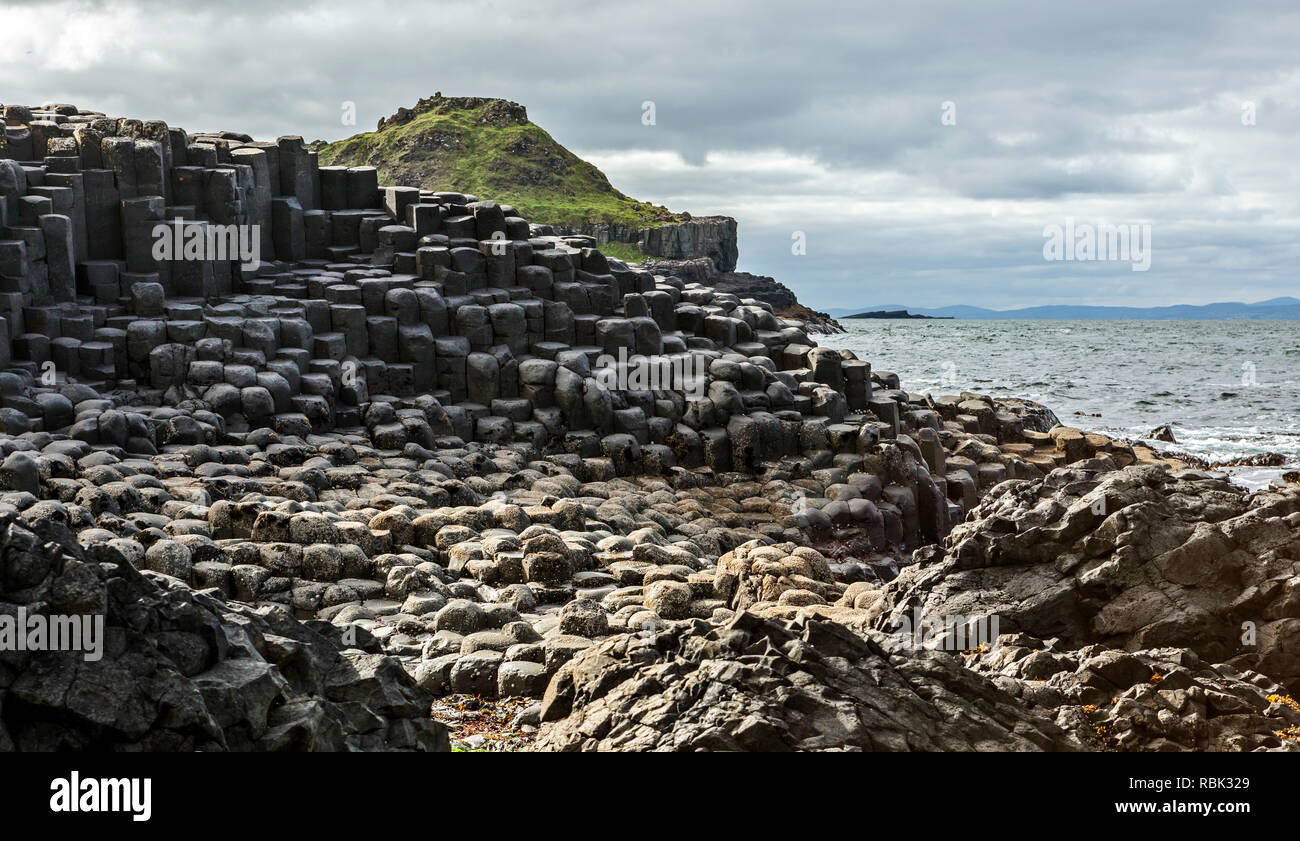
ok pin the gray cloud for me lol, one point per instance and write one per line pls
(818, 117)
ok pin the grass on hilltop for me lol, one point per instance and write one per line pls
(473, 150)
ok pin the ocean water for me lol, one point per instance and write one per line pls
(1228, 389)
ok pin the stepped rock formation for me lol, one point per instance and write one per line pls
(394, 455)
(745, 285)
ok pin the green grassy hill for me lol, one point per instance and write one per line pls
(489, 148)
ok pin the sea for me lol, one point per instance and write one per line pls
(1228, 389)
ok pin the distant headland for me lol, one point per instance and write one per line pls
(894, 314)
(1272, 309)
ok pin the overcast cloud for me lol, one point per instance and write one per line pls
(820, 118)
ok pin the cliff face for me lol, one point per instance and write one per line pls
(709, 236)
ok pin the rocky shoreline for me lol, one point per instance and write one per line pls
(383, 466)
(745, 285)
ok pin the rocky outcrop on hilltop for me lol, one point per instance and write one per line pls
(489, 110)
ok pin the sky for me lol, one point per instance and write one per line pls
(912, 153)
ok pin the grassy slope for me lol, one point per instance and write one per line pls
(469, 150)
(625, 251)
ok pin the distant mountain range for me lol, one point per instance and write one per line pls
(1272, 309)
